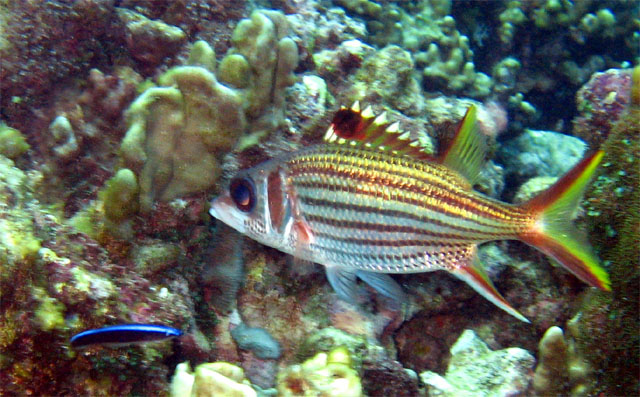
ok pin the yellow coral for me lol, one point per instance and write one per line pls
(325, 374)
(219, 379)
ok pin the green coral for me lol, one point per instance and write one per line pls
(510, 18)
(12, 142)
(120, 202)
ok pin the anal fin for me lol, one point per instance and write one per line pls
(473, 274)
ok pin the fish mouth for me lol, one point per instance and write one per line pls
(225, 211)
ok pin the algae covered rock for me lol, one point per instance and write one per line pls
(12, 142)
(607, 329)
(541, 153)
(150, 41)
(475, 370)
(389, 74)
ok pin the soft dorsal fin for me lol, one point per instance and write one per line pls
(351, 126)
(466, 152)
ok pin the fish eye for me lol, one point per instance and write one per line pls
(243, 193)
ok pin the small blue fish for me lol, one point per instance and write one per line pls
(124, 334)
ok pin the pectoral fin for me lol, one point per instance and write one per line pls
(343, 282)
(473, 274)
(384, 284)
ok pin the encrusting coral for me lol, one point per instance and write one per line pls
(326, 374)
(219, 379)
(179, 131)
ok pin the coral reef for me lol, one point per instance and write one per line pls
(55, 282)
(179, 131)
(474, 370)
(109, 107)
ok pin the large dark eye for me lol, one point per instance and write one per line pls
(243, 193)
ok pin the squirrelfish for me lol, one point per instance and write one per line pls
(368, 202)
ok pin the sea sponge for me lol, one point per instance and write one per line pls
(326, 374)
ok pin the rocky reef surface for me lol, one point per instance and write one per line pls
(120, 120)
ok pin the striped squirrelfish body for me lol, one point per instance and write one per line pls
(369, 202)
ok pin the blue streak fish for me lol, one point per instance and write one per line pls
(123, 335)
(369, 201)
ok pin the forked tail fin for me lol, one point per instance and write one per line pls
(553, 232)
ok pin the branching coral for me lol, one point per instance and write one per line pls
(560, 370)
(428, 31)
(260, 65)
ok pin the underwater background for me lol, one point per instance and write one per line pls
(121, 120)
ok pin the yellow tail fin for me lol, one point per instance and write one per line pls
(553, 232)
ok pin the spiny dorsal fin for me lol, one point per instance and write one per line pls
(351, 126)
(467, 150)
